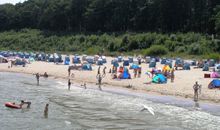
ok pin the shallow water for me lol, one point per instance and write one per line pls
(93, 109)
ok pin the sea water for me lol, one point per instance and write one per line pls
(93, 109)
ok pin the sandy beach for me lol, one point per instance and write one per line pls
(182, 86)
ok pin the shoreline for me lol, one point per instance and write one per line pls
(133, 90)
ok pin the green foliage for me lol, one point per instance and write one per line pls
(152, 43)
(93, 50)
(214, 56)
(156, 50)
(195, 49)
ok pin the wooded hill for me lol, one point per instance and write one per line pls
(168, 26)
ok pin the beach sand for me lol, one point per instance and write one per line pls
(182, 86)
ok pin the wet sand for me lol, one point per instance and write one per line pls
(182, 86)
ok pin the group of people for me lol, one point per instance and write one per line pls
(37, 75)
(72, 76)
(21, 105)
(122, 73)
(168, 73)
(99, 76)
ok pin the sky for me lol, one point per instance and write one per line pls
(11, 1)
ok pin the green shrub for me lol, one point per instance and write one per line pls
(158, 44)
(180, 49)
(214, 56)
(196, 49)
(93, 50)
(156, 50)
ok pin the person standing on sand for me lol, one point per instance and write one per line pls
(196, 88)
(46, 111)
(172, 76)
(69, 84)
(69, 71)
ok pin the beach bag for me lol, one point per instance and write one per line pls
(206, 75)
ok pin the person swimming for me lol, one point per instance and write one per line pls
(23, 103)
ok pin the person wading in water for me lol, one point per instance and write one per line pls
(99, 77)
(84, 85)
(46, 111)
(69, 84)
(197, 89)
(38, 78)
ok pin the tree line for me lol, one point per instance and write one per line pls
(163, 16)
